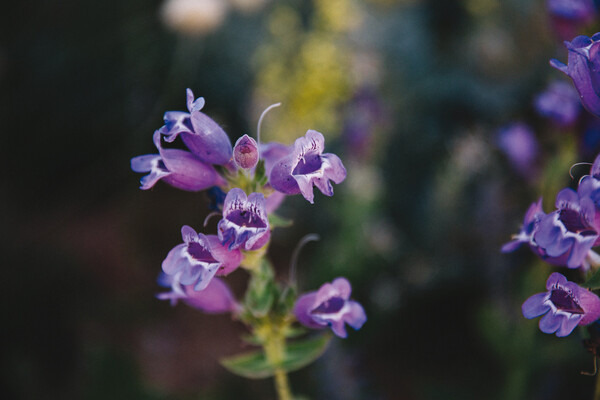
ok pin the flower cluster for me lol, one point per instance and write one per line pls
(248, 182)
(564, 237)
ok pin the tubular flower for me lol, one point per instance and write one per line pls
(584, 69)
(196, 261)
(306, 166)
(565, 306)
(330, 306)
(589, 187)
(178, 168)
(569, 231)
(203, 136)
(245, 223)
(216, 298)
(532, 218)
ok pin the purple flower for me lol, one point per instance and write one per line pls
(306, 166)
(245, 223)
(203, 136)
(565, 304)
(569, 231)
(559, 102)
(589, 188)
(519, 144)
(584, 69)
(216, 298)
(330, 306)
(569, 15)
(532, 217)
(197, 260)
(178, 168)
(245, 152)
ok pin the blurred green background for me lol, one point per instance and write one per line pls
(408, 93)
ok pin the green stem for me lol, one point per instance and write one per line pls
(274, 351)
(597, 392)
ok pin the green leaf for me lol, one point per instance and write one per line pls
(593, 281)
(254, 365)
(279, 222)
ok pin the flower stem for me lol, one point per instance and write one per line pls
(282, 385)
(274, 351)
(597, 391)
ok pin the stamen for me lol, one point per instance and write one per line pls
(272, 106)
(576, 164)
(209, 216)
(311, 237)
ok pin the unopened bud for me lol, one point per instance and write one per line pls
(245, 152)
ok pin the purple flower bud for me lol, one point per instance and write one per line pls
(216, 298)
(306, 166)
(559, 102)
(197, 260)
(203, 136)
(519, 144)
(565, 304)
(330, 306)
(569, 231)
(584, 69)
(245, 223)
(178, 168)
(245, 152)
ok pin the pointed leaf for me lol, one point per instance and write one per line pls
(275, 221)
(254, 365)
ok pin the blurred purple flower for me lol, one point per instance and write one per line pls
(584, 69)
(519, 144)
(216, 298)
(245, 152)
(532, 218)
(245, 223)
(565, 304)
(330, 306)
(306, 166)
(569, 231)
(559, 102)
(569, 15)
(178, 168)
(197, 260)
(203, 136)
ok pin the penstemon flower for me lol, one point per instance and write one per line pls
(198, 259)
(245, 223)
(584, 69)
(200, 133)
(569, 231)
(330, 306)
(178, 168)
(565, 306)
(215, 298)
(306, 166)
